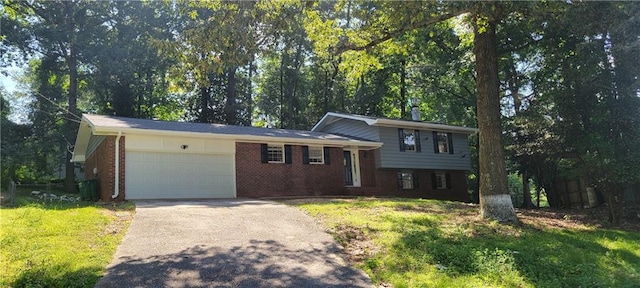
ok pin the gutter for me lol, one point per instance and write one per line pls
(424, 125)
(116, 189)
(108, 131)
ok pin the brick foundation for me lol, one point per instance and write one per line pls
(103, 159)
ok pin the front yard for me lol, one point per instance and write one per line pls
(398, 242)
(58, 244)
(424, 243)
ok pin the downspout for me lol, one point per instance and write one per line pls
(116, 180)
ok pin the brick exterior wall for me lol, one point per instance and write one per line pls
(255, 179)
(104, 160)
(388, 181)
(384, 182)
(367, 169)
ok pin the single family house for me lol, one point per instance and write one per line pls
(342, 155)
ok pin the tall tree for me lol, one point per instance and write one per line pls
(218, 39)
(495, 201)
(394, 19)
(62, 31)
(129, 75)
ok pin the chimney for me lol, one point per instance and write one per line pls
(415, 111)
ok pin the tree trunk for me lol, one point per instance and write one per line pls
(615, 200)
(70, 125)
(122, 99)
(325, 94)
(403, 89)
(495, 201)
(526, 191)
(282, 122)
(70, 129)
(204, 105)
(250, 96)
(230, 106)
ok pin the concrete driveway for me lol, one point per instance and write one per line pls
(227, 243)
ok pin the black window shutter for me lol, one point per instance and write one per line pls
(450, 139)
(305, 154)
(448, 177)
(435, 142)
(264, 149)
(327, 155)
(399, 180)
(434, 185)
(415, 180)
(401, 137)
(417, 139)
(287, 154)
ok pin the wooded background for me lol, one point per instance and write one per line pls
(567, 76)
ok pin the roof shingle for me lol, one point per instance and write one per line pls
(145, 124)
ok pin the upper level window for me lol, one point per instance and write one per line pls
(315, 155)
(275, 154)
(409, 140)
(442, 142)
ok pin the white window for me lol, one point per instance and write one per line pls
(275, 153)
(409, 140)
(316, 155)
(405, 180)
(443, 142)
(441, 181)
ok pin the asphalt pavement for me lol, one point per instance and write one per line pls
(227, 243)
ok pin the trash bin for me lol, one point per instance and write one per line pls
(88, 189)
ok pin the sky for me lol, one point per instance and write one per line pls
(7, 81)
(10, 85)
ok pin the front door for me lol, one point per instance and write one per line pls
(348, 172)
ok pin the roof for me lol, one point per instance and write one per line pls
(102, 123)
(93, 125)
(332, 117)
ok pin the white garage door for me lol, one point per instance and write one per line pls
(157, 175)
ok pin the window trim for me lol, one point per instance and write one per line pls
(445, 180)
(448, 145)
(412, 180)
(321, 162)
(281, 146)
(416, 140)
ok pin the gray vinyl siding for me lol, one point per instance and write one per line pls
(353, 128)
(390, 156)
(94, 142)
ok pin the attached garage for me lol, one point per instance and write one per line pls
(160, 175)
(169, 167)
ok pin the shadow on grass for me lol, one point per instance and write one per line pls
(543, 258)
(258, 264)
(48, 276)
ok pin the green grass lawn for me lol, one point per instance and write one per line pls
(425, 243)
(56, 244)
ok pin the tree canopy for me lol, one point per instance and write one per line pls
(553, 92)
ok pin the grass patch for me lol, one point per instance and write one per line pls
(58, 244)
(427, 243)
